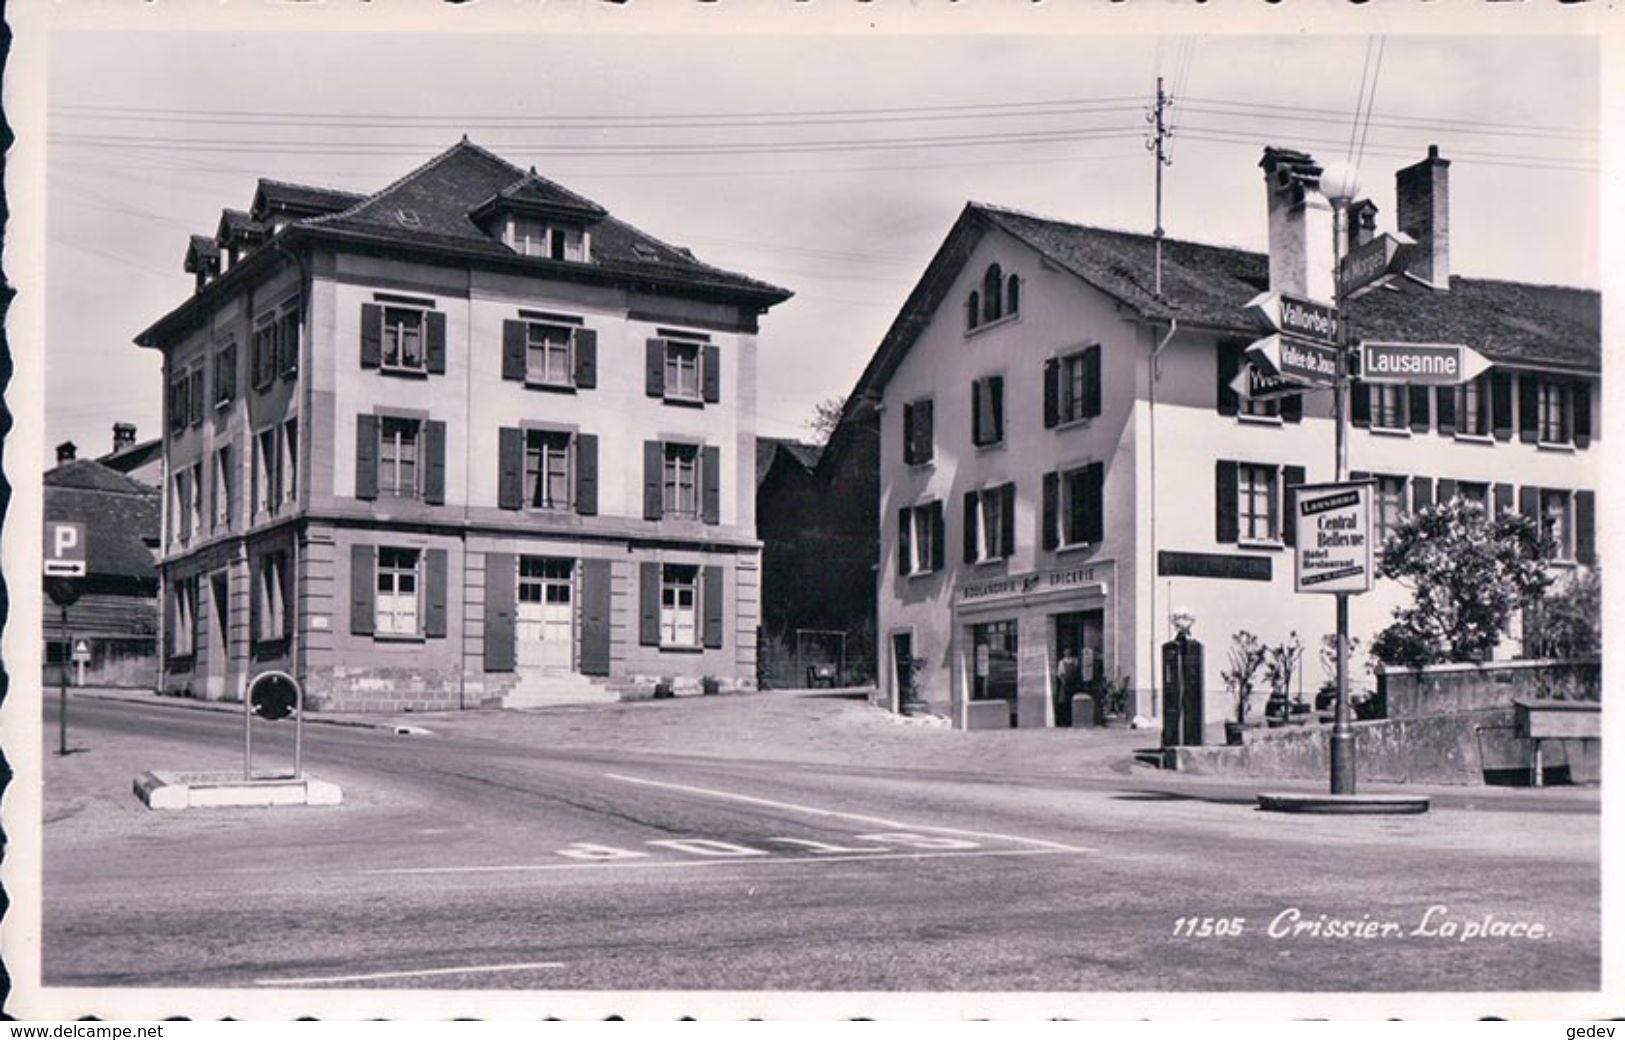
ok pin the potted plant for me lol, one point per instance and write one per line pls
(1280, 666)
(1326, 697)
(1245, 659)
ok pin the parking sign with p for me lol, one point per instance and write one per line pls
(64, 549)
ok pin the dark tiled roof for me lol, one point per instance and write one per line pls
(302, 198)
(768, 449)
(234, 223)
(536, 190)
(202, 246)
(133, 457)
(119, 515)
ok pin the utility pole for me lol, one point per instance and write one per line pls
(1157, 117)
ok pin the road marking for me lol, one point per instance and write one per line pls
(823, 847)
(815, 811)
(676, 864)
(589, 851)
(469, 970)
(706, 847)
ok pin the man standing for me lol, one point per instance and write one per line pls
(1068, 682)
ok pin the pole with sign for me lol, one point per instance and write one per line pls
(1420, 364)
(64, 569)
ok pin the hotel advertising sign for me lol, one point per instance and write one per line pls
(1333, 543)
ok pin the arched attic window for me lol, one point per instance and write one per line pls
(973, 309)
(992, 293)
(1012, 296)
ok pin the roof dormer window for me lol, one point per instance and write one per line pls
(409, 218)
(531, 237)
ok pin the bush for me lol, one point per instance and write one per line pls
(1568, 622)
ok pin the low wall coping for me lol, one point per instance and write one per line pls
(1485, 666)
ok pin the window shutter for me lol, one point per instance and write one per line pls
(586, 343)
(366, 456)
(1421, 421)
(1094, 493)
(1052, 508)
(924, 431)
(1582, 413)
(290, 344)
(372, 336)
(501, 579)
(513, 351)
(1007, 515)
(1447, 489)
(711, 602)
(229, 373)
(1447, 410)
(363, 586)
(908, 435)
(711, 484)
(654, 356)
(595, 576)
(1227, 525)
(649, 604)
(976, 412)
(1052, 393)
(214, 489)
(1503, 499)
(1091, 382)
(1358, 474)
(510, 467)
(1229, 368)
(937, 532)
(1421, 493)
(995, 392)
(1501, 404)
(586, 447)
(1529, 502)
(1585, 526)
(234, 472)
(971, 506)
(435, 355)
(711, 373)
(1292, 408)
(1291, 477)
(434, 580)
(905, 540)
(1359, 404)
(654, 462)
(434, 470)
(197, 397)
(1528, 408)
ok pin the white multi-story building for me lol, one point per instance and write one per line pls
(468, 438)
(1063, 459)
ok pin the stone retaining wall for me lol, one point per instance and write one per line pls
(1448, 688)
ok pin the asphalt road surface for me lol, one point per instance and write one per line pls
(463, 863)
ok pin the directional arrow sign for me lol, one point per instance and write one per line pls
(64, 549)
(1426, 364)
(1307, 363)
(1296, 316)
(1382, 257)
(1257, 385)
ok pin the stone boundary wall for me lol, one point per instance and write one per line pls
(1449, 688)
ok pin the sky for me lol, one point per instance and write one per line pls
(830, 165)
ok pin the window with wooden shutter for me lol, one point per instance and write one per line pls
(366, 456)
(1501, 404)
(1091, 381)
(1445, 405)
(362, 617)
(501, 594)
(654, 356)
(905, 542)
(513, 351)
(435, 359)
(1227, 526)
(1421, 421)
(289, 343)
(372, 335)
(1528, 407)
(908, 433)
(1585, 527)
(1503, 499)
(1229, 365)
(649, 603)
(196, 396)
(510, 467)
(1421, 493)
(586, 360)
(1359, 403)
(712, 602)
(711, 373)
(1007, 516)
(937, 536)
(595, 617)
(654, 469)
(970, 531)
(1291, 477)
(434, 469)
(711, 484)
(1582, 413)
(586, 458)
(435, 588)
(1052, 393)
(1049, 523)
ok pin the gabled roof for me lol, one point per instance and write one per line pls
(298, 199)
(535, 192)
(200, 249)
(133, 457)
(800, 453)
(234, 223)
(120, 515)
(1511, 323)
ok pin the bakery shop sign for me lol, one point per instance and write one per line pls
(1036, 583)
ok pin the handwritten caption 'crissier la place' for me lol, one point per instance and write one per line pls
(1436, 923)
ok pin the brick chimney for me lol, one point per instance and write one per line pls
(123, 436)
(1300, 224)
(65, 452)
(1362, 222)
(1423, 192)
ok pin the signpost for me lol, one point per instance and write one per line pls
(1381, 258)
(81, 657)
(1420, 364)
(1296, 316)
(1253, 383)
(1333, 537)
(64, 561)
(1302, 361)
(64, 549)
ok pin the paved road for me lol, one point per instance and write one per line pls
(484, 864)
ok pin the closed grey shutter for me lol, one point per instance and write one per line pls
(1582, 413)
(924, 431)
(256, 597)
(1291, 477)
(1091, 382)
(1292, 408)
(513, 351)
(434, 580)
(230, 372)
(586, 445)
(1447, 489)
(290, 344)
(1052, 393)
(1501, 404)
(1226, 525)
(937, 539)
(905, 541)
(436, 353)
(1229, 362)
(366, 456)
(434, 471)
(1528, 503)
(1503, 499)
(649, 604)
(595, 576)
(976, 420)
(290, 595)
(971, 506)
(711, 373)
(908, 435)
(654, 464)
(1359, 403)
(1421, 421)
(510, 467)
(363, 587)
(1447, 410)
(372, 335)
(1585, 526)
(1421, 493)
(711, 484)
(1094, 493)
(995, 392)
(654, 376)
(1050, 537)
(1528, 408)
(586, 342)
(711, 602)
(500, 594)
(1007, 515)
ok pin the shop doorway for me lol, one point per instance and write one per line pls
(902, 656)
(1083, 632)
(546, 616)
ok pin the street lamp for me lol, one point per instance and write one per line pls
(1339, 183)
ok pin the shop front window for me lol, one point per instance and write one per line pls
(994, 661)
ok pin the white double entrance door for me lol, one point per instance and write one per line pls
(546, 622)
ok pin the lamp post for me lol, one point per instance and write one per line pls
(1339, 182)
